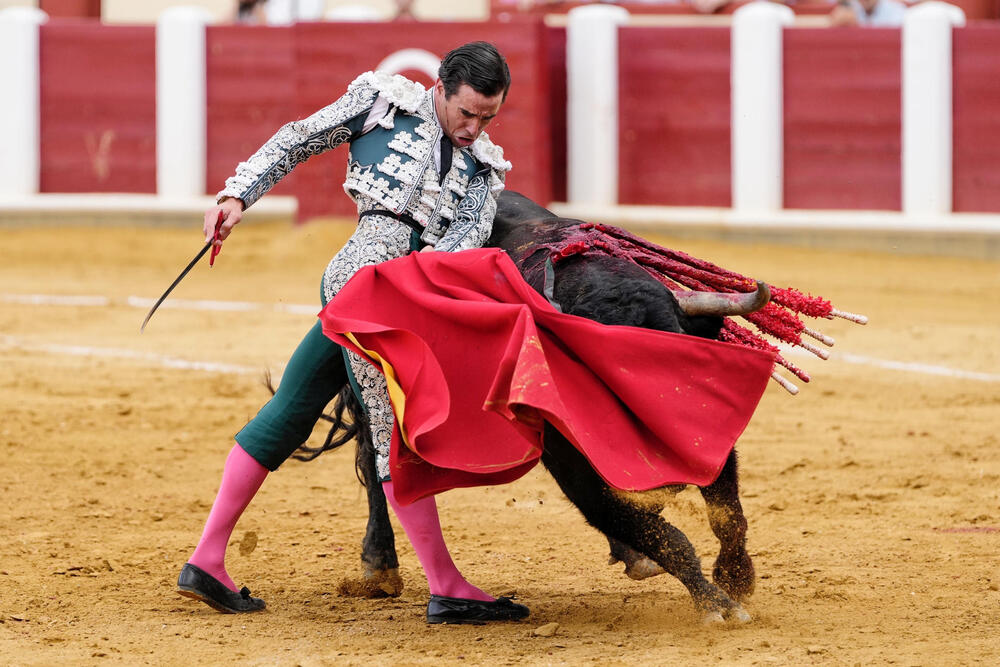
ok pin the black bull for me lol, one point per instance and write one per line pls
(612, 291)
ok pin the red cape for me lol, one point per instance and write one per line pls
(477, 361)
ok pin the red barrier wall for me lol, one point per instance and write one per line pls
(326, 63)
(71, 8)
(674, 116)
(842, 127)
(841, 119)
(555, 42)
(976, 123)
(98, 108)
(978, 9)
(251, 93)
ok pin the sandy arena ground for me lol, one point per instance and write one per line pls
(873, 496)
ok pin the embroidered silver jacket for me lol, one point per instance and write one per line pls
(391, 164)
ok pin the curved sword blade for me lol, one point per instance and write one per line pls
(187, 268)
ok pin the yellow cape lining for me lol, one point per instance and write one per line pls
(396, 396)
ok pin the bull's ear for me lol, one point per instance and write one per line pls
(723, 304)
(549, 286)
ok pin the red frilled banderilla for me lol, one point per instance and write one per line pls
(686, 276)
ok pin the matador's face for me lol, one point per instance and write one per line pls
(466, 113)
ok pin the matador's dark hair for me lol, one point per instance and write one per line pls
(477, 64)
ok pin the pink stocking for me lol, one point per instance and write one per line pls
(420, 521)
(241, 478)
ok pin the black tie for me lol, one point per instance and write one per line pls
(445, 157)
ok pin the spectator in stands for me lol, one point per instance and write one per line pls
(868, 13)
(404, 11)
(286, 12)
(709, 6)
(251, 12)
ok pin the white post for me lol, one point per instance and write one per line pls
(180, 102)
(19, 113)
(927, 109)
(592, 103)
(757, 107)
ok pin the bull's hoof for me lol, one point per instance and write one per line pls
(373, 584)
(716, 607)
(713, 618)
(644, 568)
(735, 576)
(738, 615)
(637, 566)
(734, 616)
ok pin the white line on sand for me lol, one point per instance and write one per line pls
(146, 303)
(926, 369)
(55, 300)
(235, 306)
(11, 342)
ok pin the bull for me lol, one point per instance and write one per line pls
(614, 291)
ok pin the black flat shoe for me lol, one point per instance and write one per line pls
(443, 609)
(194, 582)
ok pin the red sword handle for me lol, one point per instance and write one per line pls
(216, 249)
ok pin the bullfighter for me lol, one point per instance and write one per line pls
(424, 176)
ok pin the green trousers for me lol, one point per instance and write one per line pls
(314, 375)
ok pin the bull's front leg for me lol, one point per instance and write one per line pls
(642, 530)
(733, 571)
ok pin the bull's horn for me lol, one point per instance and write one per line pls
(722, 304)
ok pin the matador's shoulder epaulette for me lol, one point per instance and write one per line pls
(487, 152)
(397, 89)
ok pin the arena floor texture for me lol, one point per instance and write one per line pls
(873, 496)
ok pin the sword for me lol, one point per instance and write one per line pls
(201, 253)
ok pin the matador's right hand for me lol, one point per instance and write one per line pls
(231, 209)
